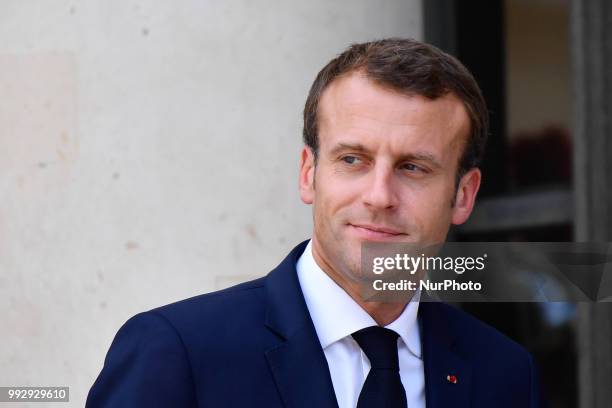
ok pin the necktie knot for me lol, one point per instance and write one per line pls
(379, 345)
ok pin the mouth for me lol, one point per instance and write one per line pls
(376, 232)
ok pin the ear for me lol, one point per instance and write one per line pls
(307, 169)
(466, 196)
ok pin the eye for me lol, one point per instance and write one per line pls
(413, 168)
(351, 159)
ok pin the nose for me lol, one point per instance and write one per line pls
(380, 192)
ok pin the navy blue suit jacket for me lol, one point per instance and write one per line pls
(254, 345)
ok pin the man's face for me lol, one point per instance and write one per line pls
(385, 171)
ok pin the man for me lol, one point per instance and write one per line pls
(394, 131)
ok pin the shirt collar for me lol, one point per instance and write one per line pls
(336, 315)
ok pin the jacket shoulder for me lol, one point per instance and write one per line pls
(237, 302)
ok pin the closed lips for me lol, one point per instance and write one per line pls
(384, 230)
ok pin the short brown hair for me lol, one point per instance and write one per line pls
(412, 68)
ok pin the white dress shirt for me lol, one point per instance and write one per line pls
(336, 316)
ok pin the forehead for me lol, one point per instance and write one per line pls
(356, 107)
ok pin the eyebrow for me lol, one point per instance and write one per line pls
(358, 147)
(341, 147)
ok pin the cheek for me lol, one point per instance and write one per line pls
(333, 197)
(430, 208)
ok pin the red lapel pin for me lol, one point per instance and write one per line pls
(451, 379)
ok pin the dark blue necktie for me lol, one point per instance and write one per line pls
(383, 386)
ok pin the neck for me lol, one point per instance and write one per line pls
(382, 312)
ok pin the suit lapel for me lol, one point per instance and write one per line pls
(297, 361)
(301, 373)
(448, 375)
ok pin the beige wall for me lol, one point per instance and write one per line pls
(148, 153)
